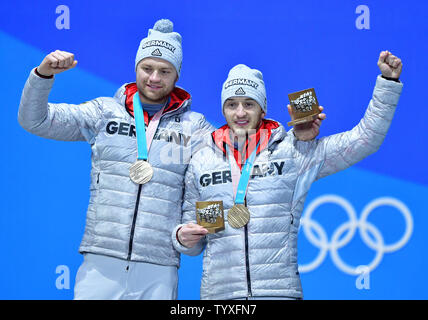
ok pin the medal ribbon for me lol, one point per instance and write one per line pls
(240, 180)
(144, 141)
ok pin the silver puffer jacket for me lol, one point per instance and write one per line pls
(261, 258)
(124, 220)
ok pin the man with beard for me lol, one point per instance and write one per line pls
(136, 187)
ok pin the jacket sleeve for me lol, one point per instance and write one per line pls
(191, 195)
(331, 154)
(60, 121)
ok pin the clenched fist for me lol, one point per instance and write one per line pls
(56, 62)
(389, 65)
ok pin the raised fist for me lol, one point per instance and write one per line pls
(389, 65)
(56, 62)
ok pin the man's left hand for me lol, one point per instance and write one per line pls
(310, 130)
(389, 65)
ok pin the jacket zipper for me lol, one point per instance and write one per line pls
(247, 258)
(134, 220)
(247, 262)
(137, 204)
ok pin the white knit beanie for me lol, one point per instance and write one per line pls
(163, 43)
(243, 81)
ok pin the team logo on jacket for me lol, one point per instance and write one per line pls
(275, 168)
(126, 129)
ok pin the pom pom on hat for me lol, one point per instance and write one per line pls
(164, 25)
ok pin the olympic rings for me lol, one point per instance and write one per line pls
(350, 227)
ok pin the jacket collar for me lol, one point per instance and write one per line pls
(269, 132)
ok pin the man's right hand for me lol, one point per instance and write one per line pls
(56, 62)
(190, 234)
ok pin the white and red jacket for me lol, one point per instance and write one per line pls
(260, 259)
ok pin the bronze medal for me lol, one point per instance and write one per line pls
(238, 216)
(141, 172)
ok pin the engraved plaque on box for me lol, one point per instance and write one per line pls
(304, 106)
(210, 215)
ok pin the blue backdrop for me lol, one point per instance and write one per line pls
(363, 231)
